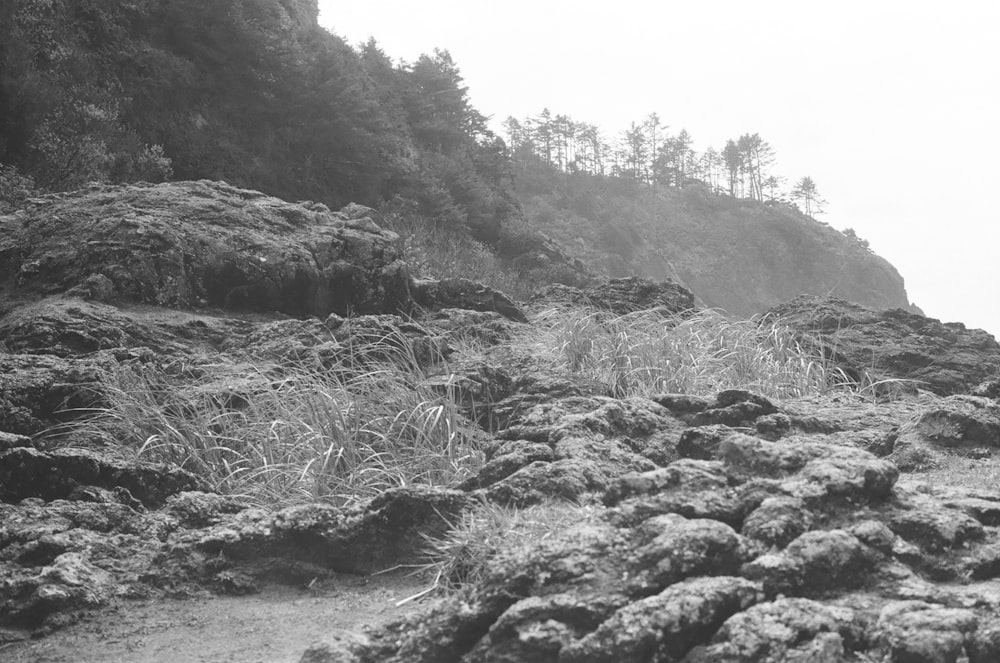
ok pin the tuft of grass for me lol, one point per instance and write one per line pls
(645, 353)
(280, 435)
(463, 555)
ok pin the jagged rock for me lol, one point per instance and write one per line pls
(813, 563)
(200, 509)
(185, 244)
(457, 324)
(784, 631)
(734, 407)
(54, 475)
(68, 327)
(876, 535)
(566, 479)
(369, 537)
(510, 458)
(622, 296)
(464, 294)
(895, 344)
(822, 470)
(955, 423)
(935, 528)
(778, 520)
(35, 391)
(988, 389)
(540, 627)
(665, 626)
(918, 632)
(70, 582)
(702, 442)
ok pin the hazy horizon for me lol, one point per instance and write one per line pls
(889, 107)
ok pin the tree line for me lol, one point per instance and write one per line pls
(649, 153)
(256, 93)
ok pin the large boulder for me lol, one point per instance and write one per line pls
(945, 358)
(185, 244)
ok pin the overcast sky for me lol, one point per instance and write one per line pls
(890, 106)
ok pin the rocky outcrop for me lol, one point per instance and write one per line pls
(799, 548)
(622, 296)
(894, 344)
(189, 244)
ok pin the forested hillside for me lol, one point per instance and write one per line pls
(720, 221)
(250, 91)
(256, 93)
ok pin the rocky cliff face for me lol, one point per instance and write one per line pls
(738, 255)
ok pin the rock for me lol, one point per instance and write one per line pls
(623, 296)
(566, 479)
(543, 626)
(55, 475)
(813, 563)
(784, 631)
(702, 442)
(36, 391)
(894, 344)
(665, 626)
(68, 327)
(10, 441)
(918, 632)
(363, 539)
(464, 294)
(186, 244)
(734, 407)
(511, 457)
(777, 521)
(70, 582)
(936, 529)
(957, 422)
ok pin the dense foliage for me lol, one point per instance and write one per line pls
(250, 91)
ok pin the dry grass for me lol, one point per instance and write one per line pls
(646, 353)
(292, 434)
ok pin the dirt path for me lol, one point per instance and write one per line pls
(275, 626)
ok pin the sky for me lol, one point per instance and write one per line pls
(891, 107)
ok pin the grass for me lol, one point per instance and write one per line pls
(463, 555)
(646, 353)
(290, 434)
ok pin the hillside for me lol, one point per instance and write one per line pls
(736, 254)
(256, 93)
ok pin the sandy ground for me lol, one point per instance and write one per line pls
(274, 626)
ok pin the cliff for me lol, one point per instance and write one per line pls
(739, 255)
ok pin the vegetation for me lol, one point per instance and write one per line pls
(646, 152)
(463, 555)
(291, 434)
(250, 91)
(645, 353)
